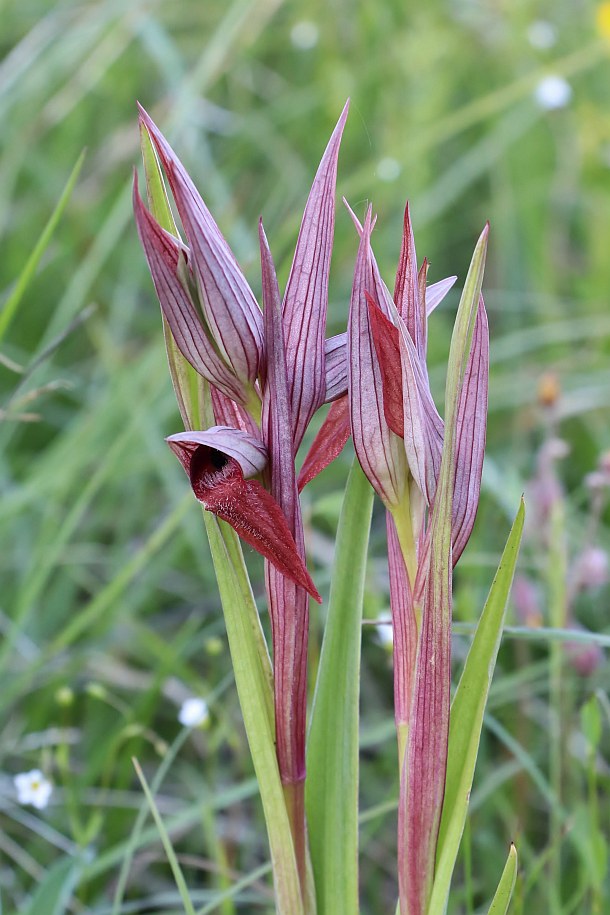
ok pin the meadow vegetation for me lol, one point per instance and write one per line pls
(109, 614)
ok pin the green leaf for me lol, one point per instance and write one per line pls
(331, 788)
(55, 891)
(467, 717)
(12, 303)
(501, 901)
(167, 843)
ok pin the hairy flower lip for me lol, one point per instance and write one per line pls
(249, 452)
(217, 462)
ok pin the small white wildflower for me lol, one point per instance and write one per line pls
(388, 169)
(553, 92)
(385, 630)
(193, 713)
(304, 35)
(542, 35)
(33, 788)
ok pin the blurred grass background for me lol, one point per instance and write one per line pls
(108, 608)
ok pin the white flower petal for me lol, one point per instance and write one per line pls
(193, 712)
(553, 92)
(33, 788)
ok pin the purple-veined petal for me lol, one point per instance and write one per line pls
(248, 450)
(163, 253)
(306, 297)
(404, 626)
(230, 309)
(379, 451)
(328, 443)
(387, 346)
(335, 350)
(228, 412)
(422, 424)
(406, 290)
(470, 435)
(436, 292)
(288, 604)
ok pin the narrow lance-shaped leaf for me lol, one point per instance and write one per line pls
(423, 775)
(306, 296)
(230, 309)
(501, 901)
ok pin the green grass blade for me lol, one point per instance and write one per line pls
(332, 753)
(467, 717)
(134, 838)
(501, 901)
(237, 887)
(55, 891)
(12, 303)
(167, 843)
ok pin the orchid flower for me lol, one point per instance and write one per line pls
(428, 476)
(269, 371)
